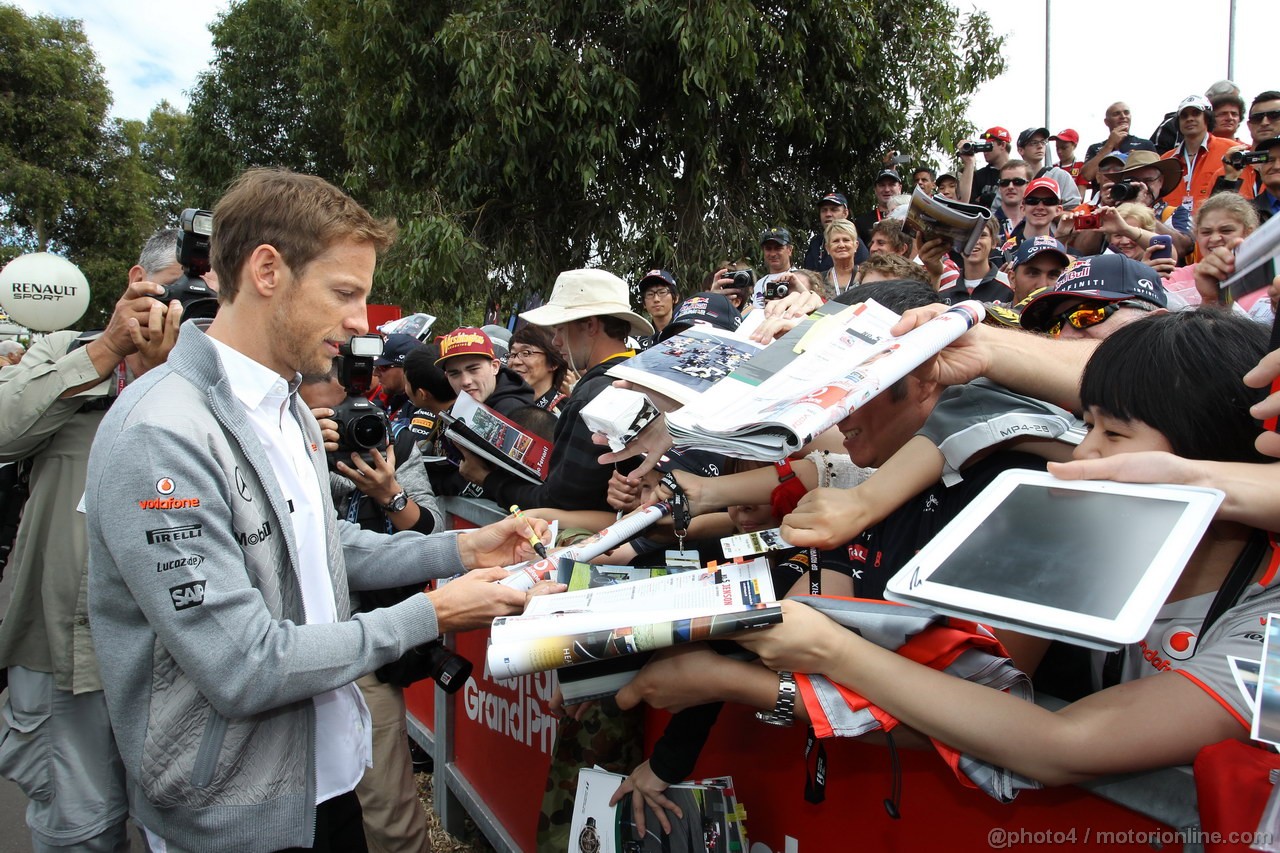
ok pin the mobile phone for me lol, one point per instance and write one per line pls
(1164, 242)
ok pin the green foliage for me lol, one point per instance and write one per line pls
(255, 107)
(53, 102)
(517, 138)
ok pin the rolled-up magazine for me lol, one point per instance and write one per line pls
(847, 359)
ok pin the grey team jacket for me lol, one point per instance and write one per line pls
(198, 616)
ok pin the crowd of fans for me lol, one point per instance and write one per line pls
(1106, 329)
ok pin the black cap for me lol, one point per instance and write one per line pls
(1096, 278)
(711, 309)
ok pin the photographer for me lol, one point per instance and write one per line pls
(50, 407)
(386, 494)
(980, 187)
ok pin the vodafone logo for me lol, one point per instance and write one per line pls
(164, 486)
(1178, 643)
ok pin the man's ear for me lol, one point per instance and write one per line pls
(265, 270)
(136, 274)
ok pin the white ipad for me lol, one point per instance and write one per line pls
(1089, 562)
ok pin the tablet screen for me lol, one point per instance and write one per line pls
(1073, 550)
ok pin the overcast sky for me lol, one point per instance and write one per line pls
(153, 50)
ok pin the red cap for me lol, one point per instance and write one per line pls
(998, 133)
(464, 341)
(1067, 135)
(1043, 184)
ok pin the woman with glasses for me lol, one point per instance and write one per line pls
(540, 364)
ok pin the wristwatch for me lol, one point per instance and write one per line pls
(784, 710)
(398, 502)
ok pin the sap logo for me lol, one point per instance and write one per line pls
(187, 595)
(254, 538)
(175, 534)
(192, 562)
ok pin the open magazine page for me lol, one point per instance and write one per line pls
(711, 820)
(933, 216)
(488, 434)
(841, 370)
(685, 365)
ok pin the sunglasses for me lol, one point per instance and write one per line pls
(1045, 200)
(1084, 316)
(1017, 182)
(1266, 115)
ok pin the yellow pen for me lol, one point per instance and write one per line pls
(538, 547)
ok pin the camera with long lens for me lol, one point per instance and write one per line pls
(976, 147)
(1123, 191)
(1240, 159)
(198, 300)
(362, 426)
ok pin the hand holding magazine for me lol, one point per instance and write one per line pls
(778, 401)
(934, 216)
(497, 440)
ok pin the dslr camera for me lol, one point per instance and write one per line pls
(975, 148)
(362, 426)
(1240, 159)
(198, 300)
(1123, 191)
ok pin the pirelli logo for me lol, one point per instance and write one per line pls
(174, 534)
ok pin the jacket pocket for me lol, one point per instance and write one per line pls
(215, 732)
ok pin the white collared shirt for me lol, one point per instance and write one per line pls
(343, 742)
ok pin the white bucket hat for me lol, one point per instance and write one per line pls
(579, 294)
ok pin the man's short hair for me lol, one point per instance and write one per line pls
(300, 215)
(160, 251)
(897, 295)
(893, 266)
(614, 327)
(918, 169)
(1269, 95)
(422, 374)
(892, 231)
(1015, 164)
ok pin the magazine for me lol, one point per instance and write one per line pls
(576, 574)
(933, 216)
(1256, 261)
(601, 623)
(844, 360)
(711, 819)
(685, 365)
(500, 442)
